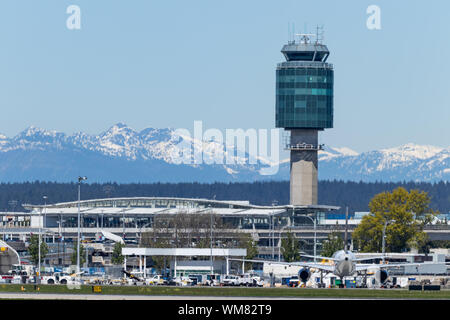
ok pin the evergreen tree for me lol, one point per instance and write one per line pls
(117, 257)
(248, 243)
(82, 255)
(290, 248)
(33, 249)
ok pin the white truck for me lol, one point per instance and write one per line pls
(250, 280)
(21, 270)
(230, 280)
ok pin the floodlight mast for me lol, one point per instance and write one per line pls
(80, 179)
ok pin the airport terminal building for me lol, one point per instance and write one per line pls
(130, 217)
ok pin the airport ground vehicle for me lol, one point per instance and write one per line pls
(58, 278)
(294, 281)
(10, 279)
(156, 280)
(212, 280)
(230, 280)
(181, 281)
(22, 270)
(198, 279)
(250, 280)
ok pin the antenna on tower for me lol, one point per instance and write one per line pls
(319, 34)
(293, 31)
(289, 32)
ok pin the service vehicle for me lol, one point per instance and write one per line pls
(230, 280)
(181, 281)
(250, 280)
(22, 270)
(294, 281)
(58, 278)
(212, 280)
(156, 280)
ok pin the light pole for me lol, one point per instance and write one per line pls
(210, 239)
(272, 230)
(80, 179)
(279, 241)
(274, 202)
(39, 251)
(59, 239)
(384, 237)
(43, 226)
(45, 207)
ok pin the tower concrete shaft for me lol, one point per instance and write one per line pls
(304, 167)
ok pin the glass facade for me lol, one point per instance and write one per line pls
(304, 96)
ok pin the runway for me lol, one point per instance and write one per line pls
(52, 296)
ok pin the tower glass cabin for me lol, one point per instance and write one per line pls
(304, 105)
(304, 87)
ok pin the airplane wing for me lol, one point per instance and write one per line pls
(313, 265)
(333, 259)
(319, 257)
(368, 258)
(365, 266)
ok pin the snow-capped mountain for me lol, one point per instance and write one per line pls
(409, 162)
(122, 154)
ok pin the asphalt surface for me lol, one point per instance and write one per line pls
(53, 296)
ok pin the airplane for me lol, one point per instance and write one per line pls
(345, 263)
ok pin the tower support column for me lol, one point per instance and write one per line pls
(304, 167)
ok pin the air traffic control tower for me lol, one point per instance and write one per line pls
(304, 105)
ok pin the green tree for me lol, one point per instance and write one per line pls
(33, 249)
(290, 248)
(407, 212)
(82, 254)
(246, 241)
(333, 243)
(117, 257)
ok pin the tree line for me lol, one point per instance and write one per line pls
(355, 195)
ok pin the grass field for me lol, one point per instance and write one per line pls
(230, 291)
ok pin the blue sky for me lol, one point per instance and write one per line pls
(168, 63)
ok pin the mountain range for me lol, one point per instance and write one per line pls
(123, 155)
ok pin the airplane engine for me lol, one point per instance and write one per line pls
(381, 276)
(304, 274)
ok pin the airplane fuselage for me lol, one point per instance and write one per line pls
(344, 264)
